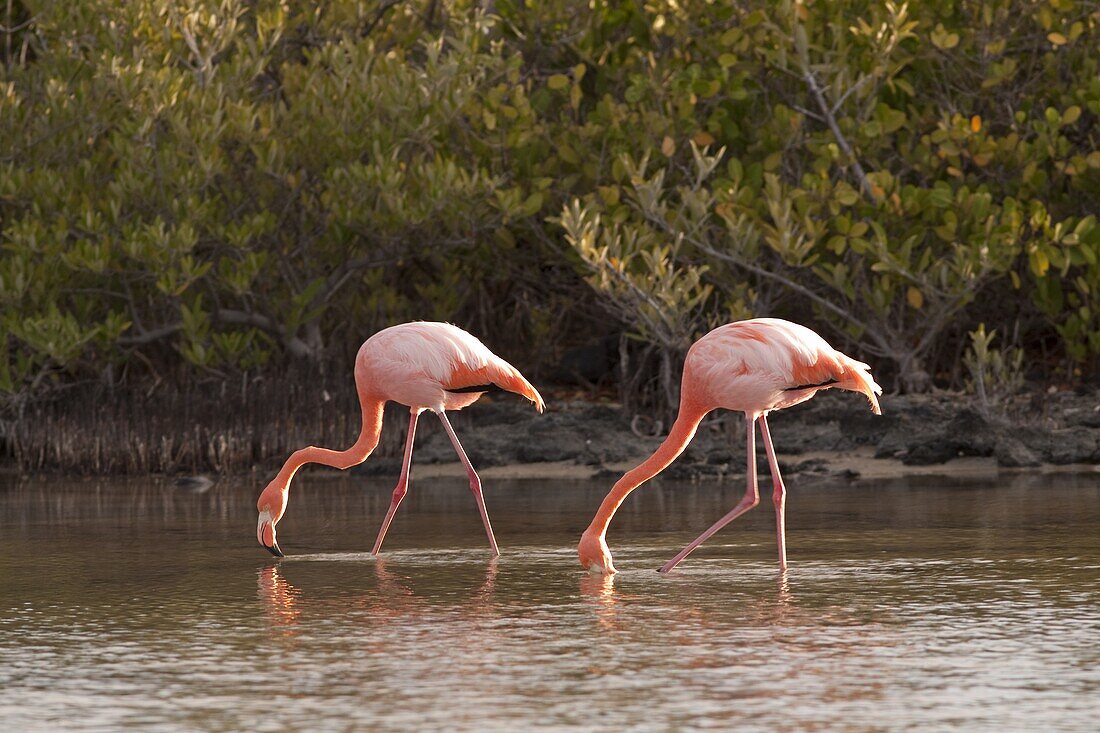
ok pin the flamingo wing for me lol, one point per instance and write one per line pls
(437, 365)
(775, 363)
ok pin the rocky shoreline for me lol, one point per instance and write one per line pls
(833, 434)
(208, 433)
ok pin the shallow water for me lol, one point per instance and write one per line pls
(923, 604)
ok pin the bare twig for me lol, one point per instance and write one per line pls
(226, 315)
(143, 337)
(17, 28)
(293, 344)
(848, 92)
(341, 274)
(202, 63)
(807, 112)
(830, 120)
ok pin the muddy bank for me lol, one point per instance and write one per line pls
(833, 434)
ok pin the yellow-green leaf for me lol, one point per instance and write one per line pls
(575, 95)
(558, 81)
(730, 37)
(703, 138)
(533, 203)
(914, 298)
(942, 39)
(845, 194)
(1039, 263)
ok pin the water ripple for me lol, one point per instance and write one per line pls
(971, 621)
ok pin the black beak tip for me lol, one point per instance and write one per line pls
(274, 550)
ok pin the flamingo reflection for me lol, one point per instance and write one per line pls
(280, 599)
(604, 598)
(391, 598)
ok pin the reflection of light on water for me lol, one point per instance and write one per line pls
(784, 599)
(600, 589)
(485, 593)
(279, 599)
(389, 587)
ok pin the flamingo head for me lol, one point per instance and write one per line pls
(594, 554)
(271, 505)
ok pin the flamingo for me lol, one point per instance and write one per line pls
(425, 366)
(752, 366)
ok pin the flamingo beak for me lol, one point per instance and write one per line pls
(265, 533)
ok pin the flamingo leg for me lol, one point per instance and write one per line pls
(475, 481)
(751, 499)
(779, 493)
(402, 482)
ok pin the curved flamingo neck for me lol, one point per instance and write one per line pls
(368, 439)
(681, 433)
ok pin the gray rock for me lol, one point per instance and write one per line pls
(929, 452)
(1088, 418)
(971, 434)
(538, 449)
(895, 442)
(378, 466)
(1011, 452)
(1072, 446)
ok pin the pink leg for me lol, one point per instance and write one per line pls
(779, 493)
(475, 481)
(402, 482)
(751, 499)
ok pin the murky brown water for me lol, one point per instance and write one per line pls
(926, 604)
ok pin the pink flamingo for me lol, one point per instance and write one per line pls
(426, 366)
(753, 366)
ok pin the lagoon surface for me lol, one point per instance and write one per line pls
(910, 605)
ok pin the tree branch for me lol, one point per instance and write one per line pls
(202, 63)
(830, 120)
(848, 92)
(293, 344)
(379, 14)
(798, 288)
(341, 274)
(143, 337)
(17, 28)
(226, 315)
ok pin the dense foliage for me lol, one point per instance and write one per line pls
(217, 186)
